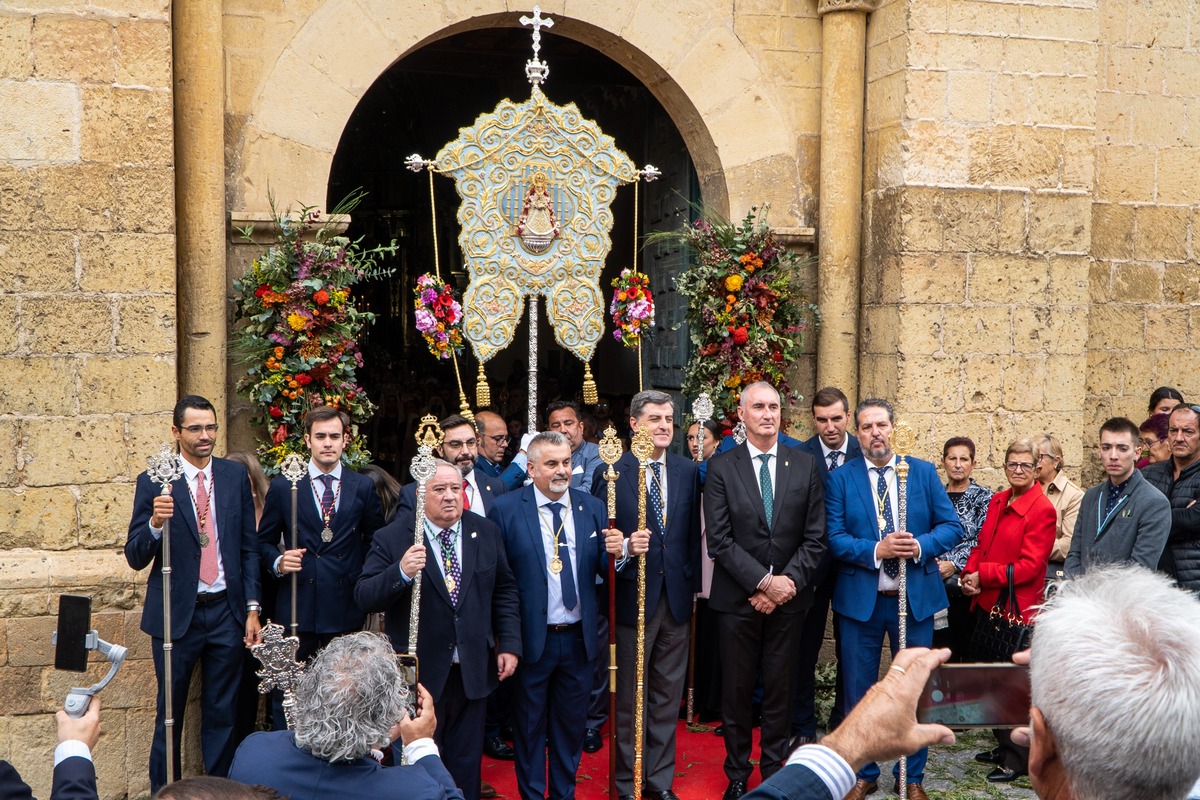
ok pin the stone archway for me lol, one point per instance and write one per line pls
(696, 65)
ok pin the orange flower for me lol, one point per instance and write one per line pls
(733, 283)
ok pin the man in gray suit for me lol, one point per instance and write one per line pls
(1123, 519)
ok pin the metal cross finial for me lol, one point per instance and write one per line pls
(536, 69)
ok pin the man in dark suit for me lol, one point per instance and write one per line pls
(493, 444)
(350, 699)
(469, 636)
(337, 512)
(832, 447)
(867, 541)
(765, 512)
(214, 583)
(671, 547)
(74, 772)
(460, 447)
(552, 535)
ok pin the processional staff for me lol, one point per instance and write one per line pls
(642, 447)
(292, 468)
(164, 468)
(702, 410)
(610, 454)
(423, 467)
(903, 441)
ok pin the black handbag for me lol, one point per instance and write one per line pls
(1001, 632)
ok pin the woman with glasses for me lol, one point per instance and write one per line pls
(1155, 445)
(1019, 533)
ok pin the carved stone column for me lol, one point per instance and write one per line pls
(200, 198)
(843, 85)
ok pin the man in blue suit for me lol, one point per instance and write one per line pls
(214, 584)
(338, 511)
(832, 447)
(552, 535)
(868, 543)
(349, 701)
(671, 547)
(460, 448)
(493, 441)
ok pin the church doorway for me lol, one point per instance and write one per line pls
(418, 105)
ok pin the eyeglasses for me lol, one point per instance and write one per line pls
(459, 445)
(502, 439)
(1018, 466)
(1150, 442)
(1044, 455)
(195, 430)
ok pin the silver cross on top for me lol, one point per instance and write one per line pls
(536, 69)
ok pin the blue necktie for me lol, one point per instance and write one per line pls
(891, 566)
(764, 483)
(655, 492)
(567, 577)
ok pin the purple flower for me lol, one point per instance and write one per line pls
(426, 322)
(428, 296)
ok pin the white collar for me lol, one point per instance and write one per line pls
(314, 472)
(844, 449)
(755, 452)
(190, 470)
(542, 499)
(871, 464)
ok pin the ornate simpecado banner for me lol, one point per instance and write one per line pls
(537, 181)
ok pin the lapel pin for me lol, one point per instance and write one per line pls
(787, 463)
(473, 534)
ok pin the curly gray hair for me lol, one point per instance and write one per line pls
(349, 698)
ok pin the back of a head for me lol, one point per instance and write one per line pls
(1116, 674)
(348, 698)
(207, 787)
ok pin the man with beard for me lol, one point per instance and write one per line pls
(552, 535)
(460, 446)
(867, 542)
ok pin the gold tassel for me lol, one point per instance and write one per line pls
(483, 394)
(463, 407)
(590, 396)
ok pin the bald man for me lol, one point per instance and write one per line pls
(493, 441)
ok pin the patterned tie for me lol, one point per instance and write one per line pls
(764, 483)
(326, 497)
(1110, 502)
(450, 563)
(891, 566)
(567, 577)
(466, 495)
(833, 459)
(655, 492)
(208, 554)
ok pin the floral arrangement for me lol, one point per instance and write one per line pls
(745, 314)
(439, 316)
(298, 329)
(632, 307)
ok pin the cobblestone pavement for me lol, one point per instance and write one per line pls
(953, 774)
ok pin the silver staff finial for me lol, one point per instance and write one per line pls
(293, 467)
(536, 69)
(164, 467)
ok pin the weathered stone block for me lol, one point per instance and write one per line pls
(38, 385)
(73, 49)
(1177, 167)
(969, 95)
(1013, 222)
(37, 262)
(146, 199)
(925, 95)
(1049, 329)
(29, 645)
(934, 278)
(1135, 282)
(16, 54)
(919, 331)
(1010, 155)
(969, 17)
(132, 385)
(982, 381)
(114, 262)
(1116, 326)
(1024, 382)
(880, 325)
(104, 510)
(1125, 174)
(1181, 284)
(1133, 69)
(1060, 223)
(39, 121)
(144, 53)
(145, 434)
(69, 451)
(77, 197)
(1162, 234)
(127, 125)
(1159, 24)
(1155, 121)
(68, 324)
(1100, 281)
(977, 329)
(1167, 328)
(937, 154)
(9, 437)
(1065, 377)
(1112, 231)
(10, 339)
(1079, 159)
(1060, 22)
(20, 199)
(146, 324)
(1069, 280)
(968, 217)
(20, 693)
(1009, 279)
(38, 518)
(935, 382)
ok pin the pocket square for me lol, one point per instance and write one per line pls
(593, 536)
(578, 470)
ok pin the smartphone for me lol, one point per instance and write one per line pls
(976, 696)
(410, 672)
(74, 622)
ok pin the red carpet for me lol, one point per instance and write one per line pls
(698, 769)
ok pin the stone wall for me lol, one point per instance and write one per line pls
(1144, 284)
(87, 305)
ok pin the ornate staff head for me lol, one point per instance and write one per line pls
(702, 410)
(292, 468)
(277, 653)
(164, 468)
(903, 441)
(610, 454)
(739, 432)
(429, 436)
(642, 445)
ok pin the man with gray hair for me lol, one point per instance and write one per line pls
(348, 702)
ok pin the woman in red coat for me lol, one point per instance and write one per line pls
(1019, 530)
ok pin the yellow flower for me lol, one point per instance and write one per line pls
(296, 322)
(733, 283)
(732, 381)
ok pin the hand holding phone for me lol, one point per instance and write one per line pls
(976, 696)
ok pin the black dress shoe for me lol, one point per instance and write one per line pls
(734, 790)
(988, 757)
(665, 794)
(496, 748)
(1004, 775)
(719, 730)
(592, 741)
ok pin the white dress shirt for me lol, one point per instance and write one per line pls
(844, 450)
(886, 584)
(756, 462)
(556, 612)
(318, 487)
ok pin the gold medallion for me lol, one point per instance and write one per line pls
(204, 540)
(556, 565)
(327, 534)
(450, 584)
(882, 522)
